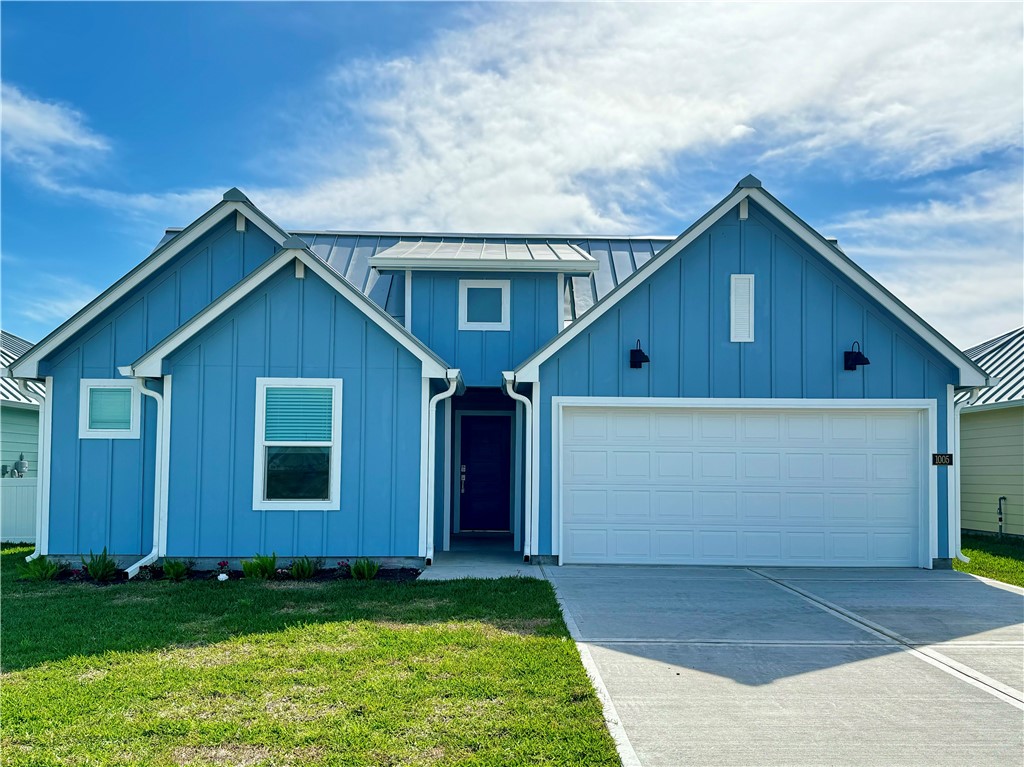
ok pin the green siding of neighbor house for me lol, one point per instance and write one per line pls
(992, 464)
(19, 433)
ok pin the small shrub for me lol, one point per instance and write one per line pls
(260, 567)
(304, 568)
(100, 567)
(42, 569)
(365, 569)
(176, 569)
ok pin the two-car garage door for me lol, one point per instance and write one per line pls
(807, 486)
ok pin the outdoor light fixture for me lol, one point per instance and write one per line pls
(855, 357)
(637, 356)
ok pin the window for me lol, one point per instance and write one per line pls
(108, 408)
(298, 444)
(741, 308)
(483, 304)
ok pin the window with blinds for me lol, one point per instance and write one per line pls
(298, 444)
(109, 409)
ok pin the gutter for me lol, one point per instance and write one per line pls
(454, 376)
(509, 384)
(158, 496)
(955, 542)
(42, 472)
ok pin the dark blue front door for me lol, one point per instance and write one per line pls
(484, 472)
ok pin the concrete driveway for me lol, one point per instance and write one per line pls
(786, 666)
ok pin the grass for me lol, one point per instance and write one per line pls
(290, 673)
(1001, 560)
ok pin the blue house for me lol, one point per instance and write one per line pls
(741, 394)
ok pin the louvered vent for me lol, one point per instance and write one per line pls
(741, 320)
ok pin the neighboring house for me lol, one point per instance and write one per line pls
(581, 399)
(992, 440)
(19, 446)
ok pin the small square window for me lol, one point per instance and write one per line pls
(108, 409)
(484, 304)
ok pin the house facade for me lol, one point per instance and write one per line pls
(740, 394)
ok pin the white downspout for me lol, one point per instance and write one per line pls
(42, 467)
(453, 385)
(154, 553)
(508, 382)
(954, 544)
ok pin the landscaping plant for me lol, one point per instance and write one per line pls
(365, 569)
(176, 569)
(304, 568)
(100, 567)
(260, 567)
(42, 569)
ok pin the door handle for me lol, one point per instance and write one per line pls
(462, 486)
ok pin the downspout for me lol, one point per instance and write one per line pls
(154, 553)
(954, 545)
(453, 376)
(42, 445)
(509, 384)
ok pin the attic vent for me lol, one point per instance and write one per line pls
(741, 306)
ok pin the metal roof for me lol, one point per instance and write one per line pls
(12, 347)
(478, 253)
(349, 253)
(1002, 358)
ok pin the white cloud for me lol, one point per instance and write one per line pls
(956, 261)
(52, 300)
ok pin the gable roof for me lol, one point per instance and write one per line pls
(1003, 358)
(234, 202)
(749, 188)
(478, 254)
(151, 363)
(12, 347)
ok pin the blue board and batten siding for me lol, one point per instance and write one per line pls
(101, 491)
(291, 328)
(482, 355)
(805, 315)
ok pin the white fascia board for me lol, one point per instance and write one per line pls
(970, 374)
(150, 365)
(481, 265)
(968, 409)
(529, 371)
(28, 365)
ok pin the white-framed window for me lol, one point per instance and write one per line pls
(109, 408)
(298, 444)
(741, 308)
(484, 304)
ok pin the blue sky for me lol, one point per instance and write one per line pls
(896, 128)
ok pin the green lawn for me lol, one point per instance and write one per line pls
(285, 673)
(1001, 560)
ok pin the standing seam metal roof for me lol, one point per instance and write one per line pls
(12, 347)
(1003, 359)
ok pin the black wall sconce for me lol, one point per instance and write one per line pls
(854, 358)
(637, 356)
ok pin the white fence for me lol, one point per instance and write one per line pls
(18, 510)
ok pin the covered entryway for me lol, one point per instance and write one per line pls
(799, 484)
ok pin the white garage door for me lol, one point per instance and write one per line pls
(750, 486)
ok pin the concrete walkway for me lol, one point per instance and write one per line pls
(479, 561)
(736, 666)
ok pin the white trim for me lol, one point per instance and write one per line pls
(447, 475)
(927, 408)
(260, 443)
(150, 365)
(506, 304)
(952, 491)
(28, 365)
(424, 465)
(408, 300)
(968, 409)
(43, 488)
(478, 265)
(164, 472)
(457, 511)
(535, 470)
(158, 487)
(744, 209)
(560, 283)
(446, 395)
(517, 495)
(239, 222)
(86, 385)
(970, 375)
(300, 270)
(740, 332)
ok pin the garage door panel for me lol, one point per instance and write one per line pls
(741, 487)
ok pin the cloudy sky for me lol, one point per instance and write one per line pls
(895, 127)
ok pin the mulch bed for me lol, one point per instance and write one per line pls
(390, 574)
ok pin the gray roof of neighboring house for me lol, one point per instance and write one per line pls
(12, 347)
(349, 253)
(1002, 358)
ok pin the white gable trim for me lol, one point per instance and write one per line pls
(28, 365)
(150, 365)
(970, 374)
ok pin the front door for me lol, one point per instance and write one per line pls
(483, 472)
